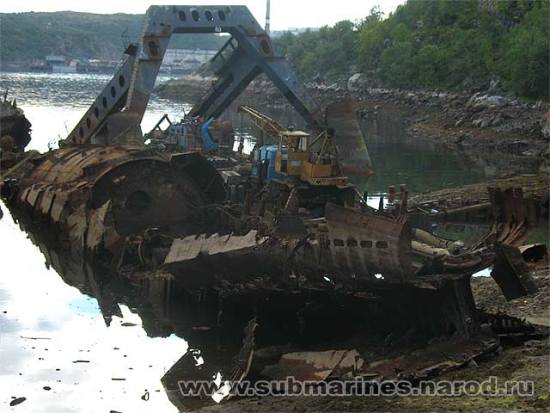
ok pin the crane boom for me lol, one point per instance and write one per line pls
(266, 124)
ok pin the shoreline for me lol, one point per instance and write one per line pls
(499, 132)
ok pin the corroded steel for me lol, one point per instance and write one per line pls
(353, 242)
(99, 194)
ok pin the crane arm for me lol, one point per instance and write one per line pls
(263, 122)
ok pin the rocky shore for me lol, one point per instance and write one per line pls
(511, 133)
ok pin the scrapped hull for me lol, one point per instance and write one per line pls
(96, 196)
(14, 124)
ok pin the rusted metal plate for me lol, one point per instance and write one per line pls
(46, 201)
(58, 205)
(190, 248)
(96, 226)
(511, 273)
(431, 360)
(34, 194)
(24, 194)
(147, 189)
(368, 244)
(77, 225)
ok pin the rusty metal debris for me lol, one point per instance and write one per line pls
(155, 218)
(476, 201)
(391, 323)
(511, 273)
(315, 366)
(95, 195)
(14, 126)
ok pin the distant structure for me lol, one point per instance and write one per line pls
(59, 64)
(267, 17)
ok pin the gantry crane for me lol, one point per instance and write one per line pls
(115, 115)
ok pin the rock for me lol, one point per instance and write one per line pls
(496, 120)
(494, 85)
(472, 100)
(494, 100)
(485, 123)
(517, 147)
(530, 152)
(356, 82)
(477, 100)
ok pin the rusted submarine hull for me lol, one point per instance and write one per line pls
(96, 196)
(157, 222)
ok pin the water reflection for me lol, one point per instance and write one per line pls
(421, 165)
(54, 334)
(54, 103)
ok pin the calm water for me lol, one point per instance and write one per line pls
(52, 327)
(55, 103)
(420, 165)
(46, 324)
(51, 334)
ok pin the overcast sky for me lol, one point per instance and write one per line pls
(284, 13)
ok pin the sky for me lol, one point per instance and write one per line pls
(284, 13)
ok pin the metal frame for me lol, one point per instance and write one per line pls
(251, 53)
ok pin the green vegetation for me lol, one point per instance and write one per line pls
(438, 44)
(27, 36)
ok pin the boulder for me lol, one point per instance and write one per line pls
(357, 82)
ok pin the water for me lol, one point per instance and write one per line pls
(69, 325)
(421, 165)
(47, 324)
(54, 103)
(51, 317)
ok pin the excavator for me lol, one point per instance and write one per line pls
(294, 157)
(114, 117)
